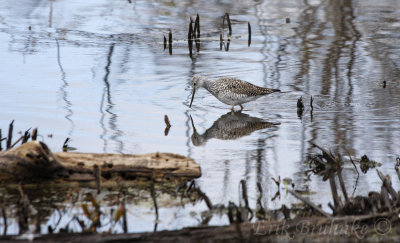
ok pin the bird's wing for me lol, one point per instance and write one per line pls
(242, 87)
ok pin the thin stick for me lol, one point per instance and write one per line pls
(309, 203)
(358, 174)
(15, 143)
(1, 141)
(10, 132)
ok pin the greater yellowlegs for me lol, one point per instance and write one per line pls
(231, 91)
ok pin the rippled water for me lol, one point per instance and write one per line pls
(97, 72)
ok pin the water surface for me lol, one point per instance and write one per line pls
(97, 72)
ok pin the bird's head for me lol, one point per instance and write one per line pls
(196, 83)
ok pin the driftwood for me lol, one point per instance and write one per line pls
(34, 161)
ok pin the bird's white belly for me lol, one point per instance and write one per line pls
(235, 99)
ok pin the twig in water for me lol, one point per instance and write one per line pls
(198, 25)
(229, 24)
(358, 174)
(153, 196)
(311, 103)
(249, 39)
(170, 42)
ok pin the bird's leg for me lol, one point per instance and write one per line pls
(232, 109)
(241, 107)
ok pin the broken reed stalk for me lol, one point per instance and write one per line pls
(190, 38)
(34, 134)
(170, 42)
(198, 25)
(10, 132)
(249, 39)
(26, 136)
(309, 203)
(190, 32)
(220, 41)
(229, 24)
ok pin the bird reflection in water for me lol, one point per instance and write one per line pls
(231, 126)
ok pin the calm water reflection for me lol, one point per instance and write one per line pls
(97, 72)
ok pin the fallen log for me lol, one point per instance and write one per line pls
(35, 161)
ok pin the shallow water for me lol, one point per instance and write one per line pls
(97, 72)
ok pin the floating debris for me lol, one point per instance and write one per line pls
(168, 125)
(366, 164)
(287, 20)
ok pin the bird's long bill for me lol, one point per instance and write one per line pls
(194, 91)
